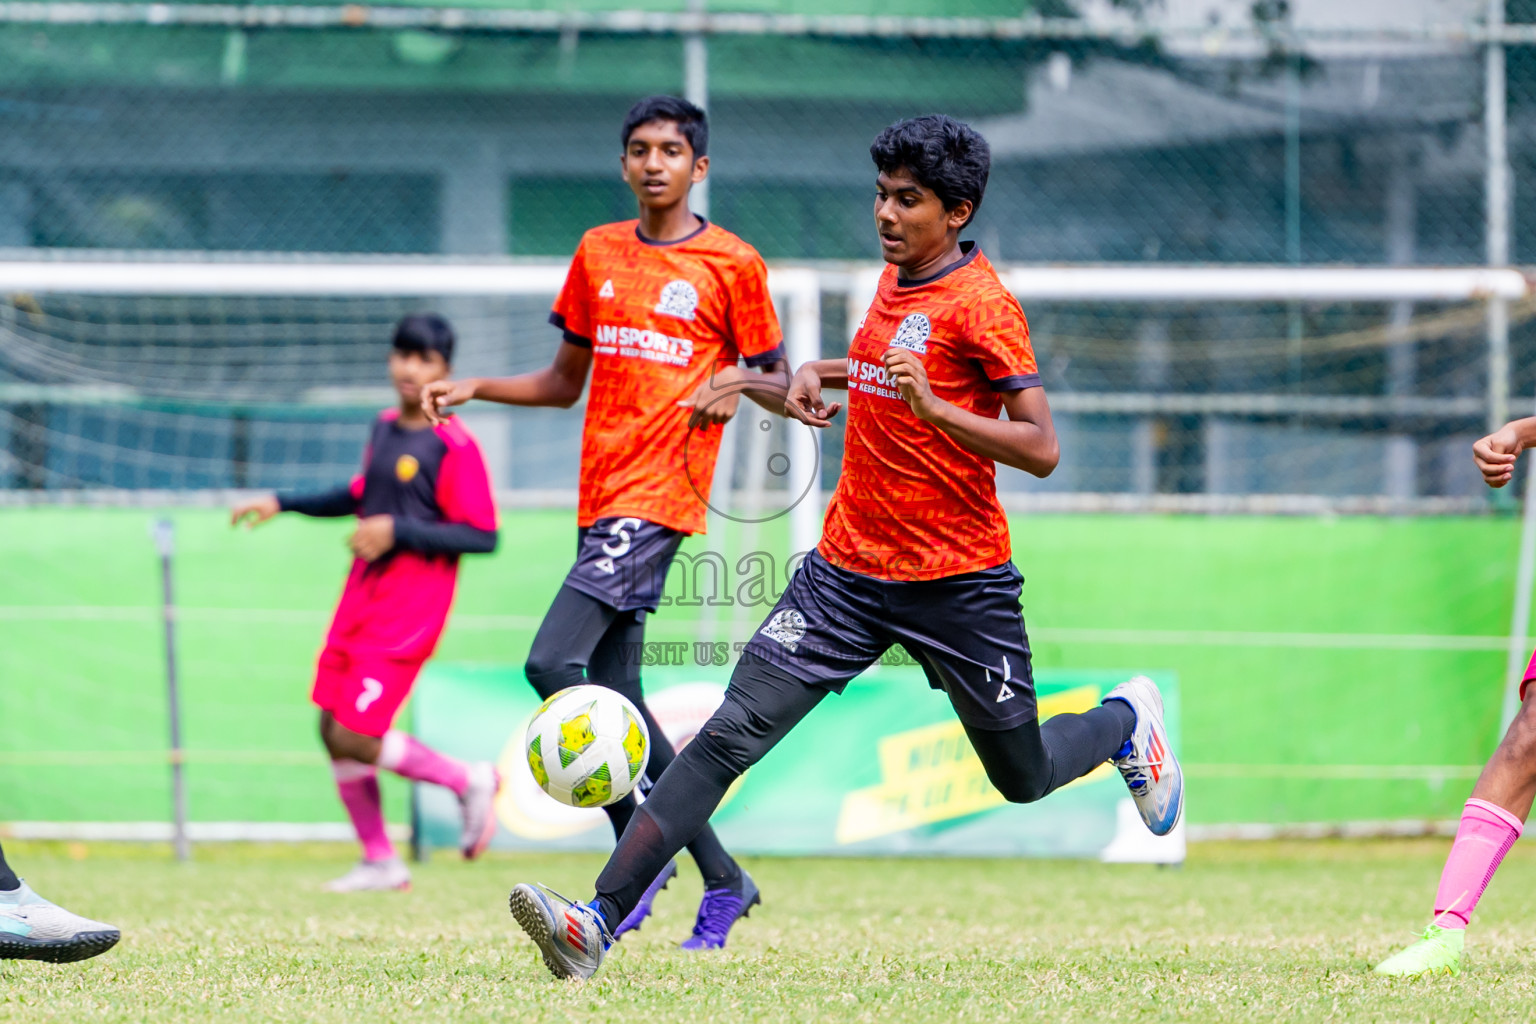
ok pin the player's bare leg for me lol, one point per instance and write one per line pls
(1508, 779)
(1490, 823)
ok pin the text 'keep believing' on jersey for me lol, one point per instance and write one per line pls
(912, 503)
(659, 318)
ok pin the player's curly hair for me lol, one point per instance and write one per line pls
(943, 154)
(691, 121)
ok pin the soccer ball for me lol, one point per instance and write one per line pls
(587, 746)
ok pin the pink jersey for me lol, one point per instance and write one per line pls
(397, 606)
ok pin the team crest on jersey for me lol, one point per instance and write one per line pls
(606, 291)
(913, 333)
(787, 627)
(679, 299)
(406, 468)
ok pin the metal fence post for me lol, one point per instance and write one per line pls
(696, 91)
(1496, 214)
(165, 542)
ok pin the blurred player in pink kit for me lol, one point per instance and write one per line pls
(1501, 800)
(423, 498)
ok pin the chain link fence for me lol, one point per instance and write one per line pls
(490, 133)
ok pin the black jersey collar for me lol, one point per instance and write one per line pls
(703, 227)
(971, 250)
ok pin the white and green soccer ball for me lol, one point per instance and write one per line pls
(587, 746)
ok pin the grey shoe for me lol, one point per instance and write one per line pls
(572, 936)
(1146, 762)
(373, 876)
(31, 928)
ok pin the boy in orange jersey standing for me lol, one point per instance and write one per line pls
(659, 310)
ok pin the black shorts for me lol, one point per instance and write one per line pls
(966, 631)
(623, 562)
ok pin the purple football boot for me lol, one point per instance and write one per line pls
(721, 909)
(643, 908)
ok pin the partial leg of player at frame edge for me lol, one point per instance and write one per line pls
(1025, 762)
(1491, 821)
(581, 640)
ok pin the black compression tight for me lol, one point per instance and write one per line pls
(8, 879)
(583, 640)
(762, 705)
(1034, 758)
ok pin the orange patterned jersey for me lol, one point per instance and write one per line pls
(912, 504)
(659, 317)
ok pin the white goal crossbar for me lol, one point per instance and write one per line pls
(800, 288)
(306, 276)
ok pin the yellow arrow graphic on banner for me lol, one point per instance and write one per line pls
(931, 774)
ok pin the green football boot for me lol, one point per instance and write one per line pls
(1439, 949)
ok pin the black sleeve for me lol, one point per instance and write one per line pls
(324, 504)
(443, 538)
(768, 358)
(569, 335)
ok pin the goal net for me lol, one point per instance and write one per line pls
(169, 385)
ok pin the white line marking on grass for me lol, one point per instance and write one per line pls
(1250, 638)
(1433, 773)
(265, 616)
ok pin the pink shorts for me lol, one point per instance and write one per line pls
(1530, 674)
(363, 691)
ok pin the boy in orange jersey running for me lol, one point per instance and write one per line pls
(915, 550)
(660, 309)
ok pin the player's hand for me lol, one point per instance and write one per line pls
(441, 395)
(905, 369)
(254, 513)
(804, 402)
(374, 537)
(715, 400)
(1495, 455)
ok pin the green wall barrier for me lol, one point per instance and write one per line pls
(1330, 669)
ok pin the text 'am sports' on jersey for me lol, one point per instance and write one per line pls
(659, 318)
(912, 503)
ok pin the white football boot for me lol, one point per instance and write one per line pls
(31, 928)
(1146, 762)
(373, 876)
(479, 804)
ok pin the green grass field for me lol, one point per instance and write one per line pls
(1244, 932)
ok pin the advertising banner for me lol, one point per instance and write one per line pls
(883, 769)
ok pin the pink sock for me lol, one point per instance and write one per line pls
(1485, 836)
(358, 785)
(402, 754)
